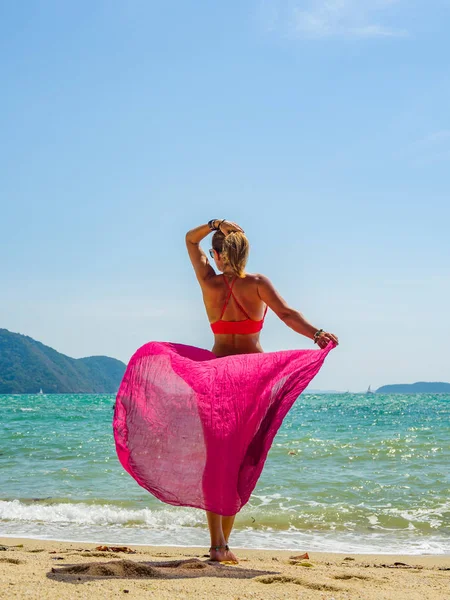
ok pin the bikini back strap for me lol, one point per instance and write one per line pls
(230, 287)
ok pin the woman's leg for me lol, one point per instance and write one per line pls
(227, 526)
(215, 529)
(218, 541)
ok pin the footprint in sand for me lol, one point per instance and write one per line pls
(122, 568)
(12, 561)
(325, 587)
(348, 576)
(131, 569)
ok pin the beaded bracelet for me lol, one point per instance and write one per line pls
(317, 335)
(211, 224)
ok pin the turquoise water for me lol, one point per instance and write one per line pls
(350, 473)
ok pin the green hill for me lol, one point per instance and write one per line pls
(421, 387)
(27, 365)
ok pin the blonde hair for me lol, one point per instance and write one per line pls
(233, 249)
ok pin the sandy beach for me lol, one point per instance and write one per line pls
(63, 570)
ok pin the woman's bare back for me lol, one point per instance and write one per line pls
(216, 292)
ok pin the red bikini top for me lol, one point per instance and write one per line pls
(246, 326)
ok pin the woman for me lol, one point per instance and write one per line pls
(194, 427)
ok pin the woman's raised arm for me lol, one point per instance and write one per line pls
(199, 260)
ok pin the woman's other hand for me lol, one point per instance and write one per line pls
(325, 338)
(227, 227)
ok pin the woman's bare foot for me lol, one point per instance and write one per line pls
(222, 554)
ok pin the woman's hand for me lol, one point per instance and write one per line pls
(227, 227)
(325, 338)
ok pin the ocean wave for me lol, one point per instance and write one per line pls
(263, 513)
(86, 514)
(182, 526)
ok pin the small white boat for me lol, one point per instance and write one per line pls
(41, 393)
(369, 391)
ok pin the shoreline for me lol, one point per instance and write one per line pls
(23, 539)
(34, 568)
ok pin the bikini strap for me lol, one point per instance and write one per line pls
(230, 287)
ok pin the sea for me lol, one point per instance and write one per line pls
(346, 473)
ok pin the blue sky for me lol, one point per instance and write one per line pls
(321, 127)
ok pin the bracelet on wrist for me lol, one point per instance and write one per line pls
(212, 226)
(317, 335)
(215, 227)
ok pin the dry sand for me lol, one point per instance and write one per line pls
(43, 570)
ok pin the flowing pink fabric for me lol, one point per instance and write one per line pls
(195, 430)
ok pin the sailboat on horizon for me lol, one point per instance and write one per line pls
(369, 390)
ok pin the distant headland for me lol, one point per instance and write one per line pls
(27, 366)
(421, 387)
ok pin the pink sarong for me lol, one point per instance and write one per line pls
(195, 430)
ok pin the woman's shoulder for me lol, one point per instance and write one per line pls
(249, 280)
(253, 282)
(256, 278)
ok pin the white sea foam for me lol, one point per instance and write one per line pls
(433, 516)
(85, 514)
